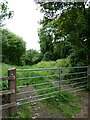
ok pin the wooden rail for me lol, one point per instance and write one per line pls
(11, 107)
(7, 78)
(4, 78)
(7, 92)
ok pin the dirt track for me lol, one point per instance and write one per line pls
(40, 109)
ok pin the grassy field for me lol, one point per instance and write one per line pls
(64, 102)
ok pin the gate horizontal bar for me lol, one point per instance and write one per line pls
(36, 69)
(73, 79)
(77, 90)
(19, 104)
(73, 73)
(25, 78)
(37, 90)
(75, 67)
(39, 69)
(28, 98)
(73, 88)
(75, 83)
(36, 84)
(32, 85)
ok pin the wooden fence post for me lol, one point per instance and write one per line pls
(88, 72)
(12, 86)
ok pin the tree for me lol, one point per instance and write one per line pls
(5, 13)
(62, 49)
(45, 39)
(71, 24)
(32, 57)
(74, 26)
(52, 44)
(13, 47)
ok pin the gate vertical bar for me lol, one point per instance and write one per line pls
(59, 75)
(88, 73)
(12, 86)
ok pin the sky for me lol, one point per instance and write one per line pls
(25, 21)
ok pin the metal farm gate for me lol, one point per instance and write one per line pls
(43, 83)
(34, 85)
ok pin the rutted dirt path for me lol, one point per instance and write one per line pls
(40, 109)
(83, 96)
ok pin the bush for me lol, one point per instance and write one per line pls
(32, 57)
(13, 47)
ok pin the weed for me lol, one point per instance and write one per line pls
(65, 102)
(24, 111)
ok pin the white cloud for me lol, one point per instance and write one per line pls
(25, 21)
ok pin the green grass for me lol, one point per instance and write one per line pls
(24, 111)
(65, 103)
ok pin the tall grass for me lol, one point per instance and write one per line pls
(42, 64)
(62, 101)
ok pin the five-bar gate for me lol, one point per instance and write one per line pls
(33, 85)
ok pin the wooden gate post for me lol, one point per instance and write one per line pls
(88, 72)
(12, 86)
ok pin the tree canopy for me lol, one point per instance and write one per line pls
(13, 47)
(67, 23)
(32, 57)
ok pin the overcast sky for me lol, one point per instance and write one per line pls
(25, 21)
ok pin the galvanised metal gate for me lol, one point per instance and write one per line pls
(35, 85)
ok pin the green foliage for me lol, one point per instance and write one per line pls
(64, 102)
(46, 44)
(52, 47)
(48, 56)
(88, 87)
(45, 39)
(66, 23)
(42, 64)
(62, 49)
(15, 47)
(78, 57)
(32, 57)
(4, 12)
(53, 64)
(24, 111)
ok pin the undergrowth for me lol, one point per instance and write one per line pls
(24, 111)
(64, 102)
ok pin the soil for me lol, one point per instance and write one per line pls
(83, 96)
(40, 109)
